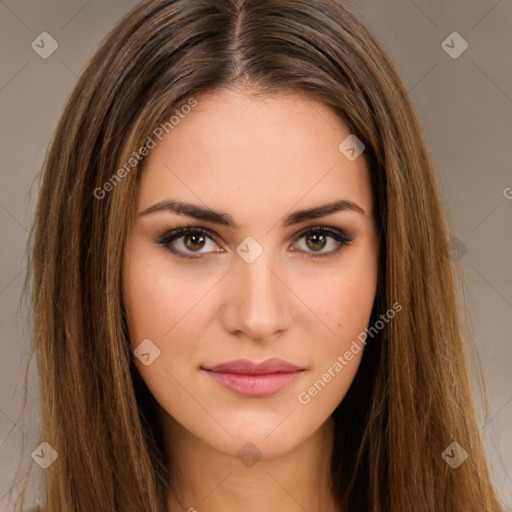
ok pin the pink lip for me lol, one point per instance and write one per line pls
(255, 380)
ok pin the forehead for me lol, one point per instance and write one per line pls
(236, 150)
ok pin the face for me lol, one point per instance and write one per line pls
(256, 283)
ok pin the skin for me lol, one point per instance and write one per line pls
(258, 160)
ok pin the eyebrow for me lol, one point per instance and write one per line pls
(224, 219)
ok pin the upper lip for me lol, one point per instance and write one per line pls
(245, 366)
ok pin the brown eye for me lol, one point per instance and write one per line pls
(194, 239)
(194, 242)
(317, 238)
(316, 242)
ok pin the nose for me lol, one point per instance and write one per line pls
(256, 301)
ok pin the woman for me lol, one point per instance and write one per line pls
(241, 287)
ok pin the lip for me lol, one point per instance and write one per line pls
(254, 380)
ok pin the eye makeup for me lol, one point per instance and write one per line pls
(169, 237)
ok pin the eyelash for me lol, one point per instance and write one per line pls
(168, 237)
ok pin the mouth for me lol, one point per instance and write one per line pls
(254, 380)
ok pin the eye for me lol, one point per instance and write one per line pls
(316, 238)
(194, 239)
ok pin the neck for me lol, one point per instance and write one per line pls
(206, 480)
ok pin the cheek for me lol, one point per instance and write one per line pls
(336, 360)
(160, 308)
(354, 305)
(159, 303)
(345, 304)
(346, 300)
(151, 307)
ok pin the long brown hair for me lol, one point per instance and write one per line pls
(411, 397)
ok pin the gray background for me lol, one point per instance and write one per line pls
(465, 105)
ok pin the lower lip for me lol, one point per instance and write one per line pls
(254, 385)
